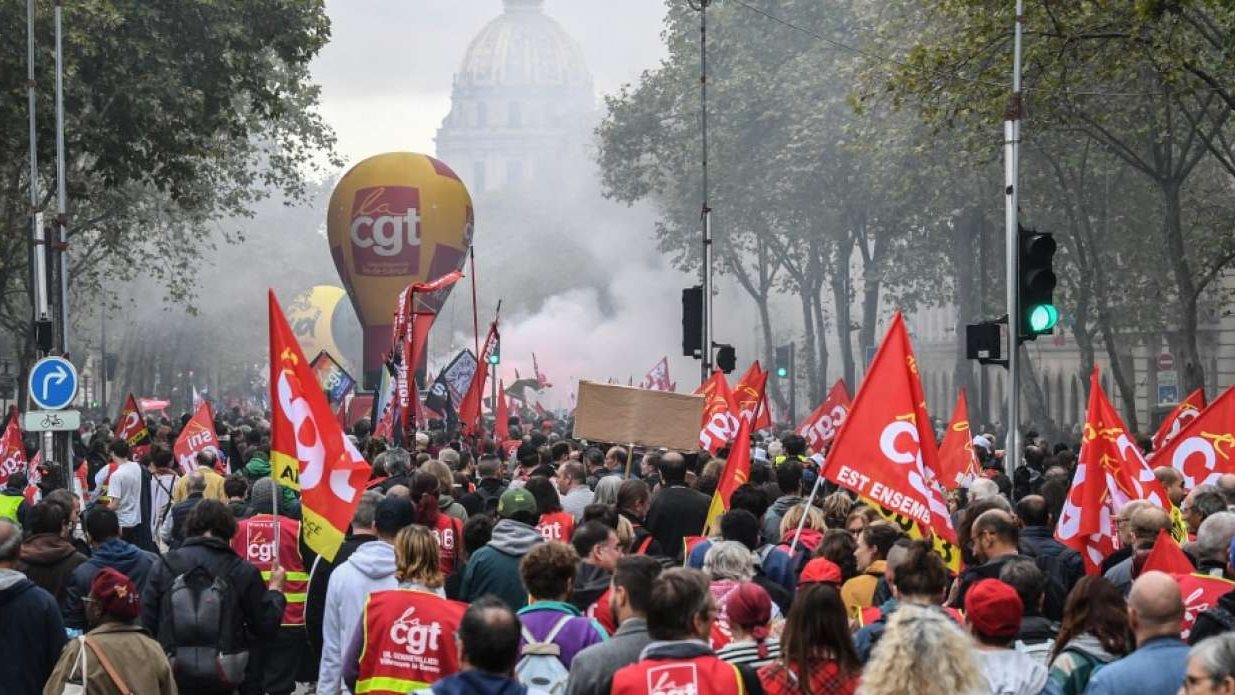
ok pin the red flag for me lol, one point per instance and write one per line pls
(1167, 556)
(1200, 592)
(501, 423)
(1110, 472)
(820, 427)
(307, 447)
(736, 472)
(958, 465)
(1185, 412)
(886, 451)
(198, 435)
(542, 382)
(750, 398)
(469, 407)
(131, 427)
(720, 422)
(1203, 448)
(12, 449)
(657, 378)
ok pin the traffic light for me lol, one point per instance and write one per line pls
(495, 357)
(726, 358)
(784, 353)
(692, 322)
(1037, 284)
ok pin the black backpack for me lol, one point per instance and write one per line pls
(201, 628)
(489, 500)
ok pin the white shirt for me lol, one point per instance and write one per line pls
(125, 486)
(161, 487)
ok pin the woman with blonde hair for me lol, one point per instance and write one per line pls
(416, 560)
(808, 540)
(922, 651)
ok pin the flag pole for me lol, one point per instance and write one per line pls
(274, 506)
(471, 252)
(814, 490)
(630, 459)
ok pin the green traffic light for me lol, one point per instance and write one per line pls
(782, 373)
(1043, 318)
(494, 359)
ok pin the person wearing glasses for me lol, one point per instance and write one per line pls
(1211, 667)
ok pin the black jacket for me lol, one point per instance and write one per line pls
(1061, 563)
(677, 511)
(1216, 620)
(645, 543)
(319, 580)
(31, 632)
(262, 608)
(591, 582)
(474, 502)
(180, 514)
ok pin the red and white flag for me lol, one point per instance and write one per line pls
(1110, 472)
(657, 378)
(12, 449)
(1185, 412)
(409, 335)
(307, 445)
(197, 436)
(131, 427)
(958, 464)
(469, 407)
(750, 397)
(885, 451)
(820, 427)
(501, 415)
(1203, 448)
(720, 421)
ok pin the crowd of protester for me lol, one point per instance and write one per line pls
(577, 569)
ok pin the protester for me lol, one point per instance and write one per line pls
(171, 533)
(1201, 502)
(742, 526)
(30, 626)
(489, 488)
(163, 478)
(1037, 633)
(1213, 541)
(402, 641)
(572, 485)
(807, 541)
(679, 617)
(108, 551)
(477, 531)
(13, 504)
(236, 487)
(119, 655)
(547, 573)
(446, 502)
(210, 529)
(494, 569)
(362, 531)
(488, 646)
(370, 567)
(922, 651)
(821, 570)
(47, 557)
(448, 530)
(205, 461)
(553, 523)
(632, 503)
(748, 609)
(1094, 632)
(1172, 482)
(993, 616)
(1123, 532)
(995, 540)
(606, 490)
(1062, 564)
(1146, 522)
(919, 578)
(1155, 611)
(592, 669)
(838, 547)
(1211, 667)
(773, 561)
(124, 492)
(599, 549)
(871, 554)
(789, 482)
(817, 655)
(677, 511)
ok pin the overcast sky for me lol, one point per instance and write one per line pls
(387, 72)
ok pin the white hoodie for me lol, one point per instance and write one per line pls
(1008, 672)
(371, 568)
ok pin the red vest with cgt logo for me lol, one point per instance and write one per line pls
(254, 541)
(702, 675)
(409, 641)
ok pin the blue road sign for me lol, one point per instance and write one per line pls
(1168, 393)
(53, 383)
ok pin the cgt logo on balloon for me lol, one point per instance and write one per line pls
(385, 231)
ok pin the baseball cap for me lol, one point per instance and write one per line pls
(393, 513)
(820, 571)
(993, 608)
(515, 501)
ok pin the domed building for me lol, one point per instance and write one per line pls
(522, 101)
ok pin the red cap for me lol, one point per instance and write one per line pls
(993, 608)
(116, 594)
(821, 570)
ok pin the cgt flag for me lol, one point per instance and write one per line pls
(307, 446)
(469, 408)
(131, 427)
(198, 435)
(1110, 472)
(657, 378)
(886, 451)
(751, 399)
(820, 427)
(1203, 448)
(958, 465)
(736, 472)
(1185, 412)
(12, 449)
(720, 422)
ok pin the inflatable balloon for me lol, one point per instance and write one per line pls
(394, 219)
(322, 320)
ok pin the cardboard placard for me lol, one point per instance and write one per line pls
(626, 415)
